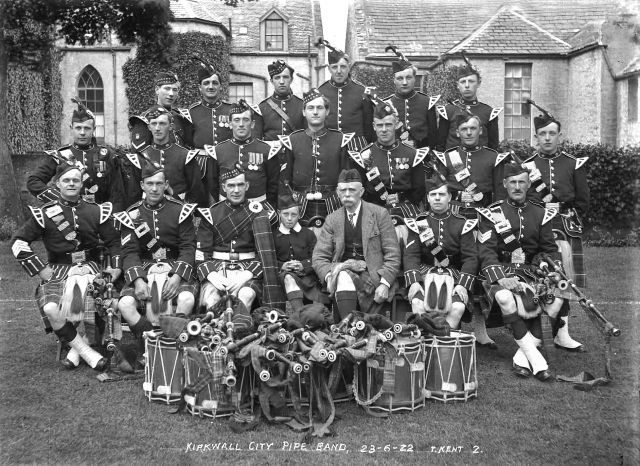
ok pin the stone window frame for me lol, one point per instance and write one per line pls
(517, 89)
(90, 87)
(234, 85)
(632, 99)
(274, 15)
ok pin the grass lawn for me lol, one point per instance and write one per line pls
(53, 416)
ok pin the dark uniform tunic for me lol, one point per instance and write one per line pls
(454, 235)
(313, 163)
(565, 179)
(182, 132)
(270, 124)
(484, 182)
(71, 233)
(181, 169)
(160, 233)
(101, 182)
(351, 111)
(512, 252)
(210, 123)
(488, 115)
(259, 161)
(401, 172)
(417, 113)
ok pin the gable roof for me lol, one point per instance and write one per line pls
(305, 20)
(428, 28)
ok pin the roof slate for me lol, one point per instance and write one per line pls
(304, 15)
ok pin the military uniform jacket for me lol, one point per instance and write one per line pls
(295, 243)
(447, 126)
(401, 171)
(258, 159)
(269, 124)
(101, 182)
(566, 178)
(66, 228)
(182, 129)
(210, 123)
(351, 110)
(417, 113)
(485, 167)
(453, 234)
(181, 169)
(163, 232)
(528, 230)
(314, 160)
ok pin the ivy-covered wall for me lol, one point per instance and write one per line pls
(139, 72)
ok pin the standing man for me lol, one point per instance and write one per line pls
(468, 79)
(258, 159)
(440, 243)
(357, 254)
(167, 92)
(351, 109)
(560, 182)
(416, 111)
(158, 241)
(236, 252)
(183, 174)
(71, 229)
(101, 182)
(313, 161)
(280, 114)
(393, 169)
(512, 236)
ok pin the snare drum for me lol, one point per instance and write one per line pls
(225, 393)
(451, 367)
(404, 359)
(162, 369)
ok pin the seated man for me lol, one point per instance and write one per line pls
(71, 229)
(158, 248)
(357, 255)
(294, 246)
(512, 236)
(236, 254)
(440, 243)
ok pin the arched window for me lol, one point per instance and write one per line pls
(91, 92)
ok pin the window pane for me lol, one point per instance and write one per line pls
(91, 92)
(517, 122)
(274, 34)
(239, 91)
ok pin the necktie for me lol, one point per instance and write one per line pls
(351, 219)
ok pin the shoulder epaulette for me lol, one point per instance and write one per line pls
(286, 140)
(412, 225)
(496, 204)
(65, 152)
(123, 218)
(531, 157)
(495, 112)
(442, 111)
(256, 109)
(274, 148)
(133, 158)
(105, 211)
(184, 113)
(357, 158)
(548, 214)
(433, 99)
(346, 138)
(190, 155)
(173, 200)
(469, 225)
(187, 209)
(441, 157)
(194, 105)
(206, 213)
(211, 151)
(38, 215)
(54, 155)
(501, 156)
(420, 155)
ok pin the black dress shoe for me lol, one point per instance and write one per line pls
(520, 371)
(491, 345)
(68, 364)
(543, 376)
(102, 364)
(577, 349)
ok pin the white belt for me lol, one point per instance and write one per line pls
(254, 199)
(233, 256)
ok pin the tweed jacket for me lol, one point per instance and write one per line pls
(379, 240)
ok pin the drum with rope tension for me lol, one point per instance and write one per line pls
(163, 369)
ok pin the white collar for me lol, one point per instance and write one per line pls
(286, 231)
(357, 213)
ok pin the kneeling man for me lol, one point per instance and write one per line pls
(357, 253)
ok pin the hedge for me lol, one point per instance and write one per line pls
(139, 72)
(613, 175)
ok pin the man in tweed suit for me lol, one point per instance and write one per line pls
(357, 254)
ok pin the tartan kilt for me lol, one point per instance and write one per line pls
(52, 290)
(490, 289)
(191, 286)
(365, 291)
(308, 284)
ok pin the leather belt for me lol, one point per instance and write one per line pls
(233, 256)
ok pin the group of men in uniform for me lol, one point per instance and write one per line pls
(337, 196)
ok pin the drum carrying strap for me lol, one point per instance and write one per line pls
(143, 232)
(428, 239)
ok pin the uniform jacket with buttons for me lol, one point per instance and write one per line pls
(417, 113)
(210, 123)
(447, 125)
(141, 137)
(351, 110)
(270, 124)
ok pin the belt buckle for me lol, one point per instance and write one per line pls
(160, 254)
(78, 256)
